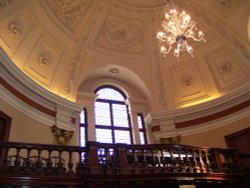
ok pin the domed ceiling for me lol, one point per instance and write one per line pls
(71, 46)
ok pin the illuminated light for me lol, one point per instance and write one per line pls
(200, 101)
(178, 28)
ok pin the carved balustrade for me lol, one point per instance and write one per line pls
(98, 158)
(41, 159)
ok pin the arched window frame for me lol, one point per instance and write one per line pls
(112, 127)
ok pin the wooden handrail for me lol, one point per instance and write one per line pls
(99, 158)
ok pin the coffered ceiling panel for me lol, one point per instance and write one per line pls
(121, 34)
(188, 83)
(42, 62)
(227, 71)
(14, 28)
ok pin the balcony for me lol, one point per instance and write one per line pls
(120, 165)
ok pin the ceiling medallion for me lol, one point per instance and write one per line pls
(178, 27)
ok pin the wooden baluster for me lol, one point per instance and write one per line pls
(108, 163)
(163, 161)
(60, 164)
(145, 163)
(82, 168)
(70, 163)
(39, 164)
(153, 162)
(151, 157)
(49, 162)
(188, 165)
(227, 163)
(195, 163)
(5, 158)
(201, 162)
(180, 160)
(17, 160)
(113, 160)
(173, 160)
(140, 162)
(28, 160)
(209, 169)
(102, 159)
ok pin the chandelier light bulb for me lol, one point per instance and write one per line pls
(178, 28)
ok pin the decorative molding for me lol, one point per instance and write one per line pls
(137, 9)
(4, 4)
(79, 54)
(26, 108)
(224, 68)
(171, 140)
(122, 34)
(43, 60)
(14, 29)
(71, 77)
(61, 136)
(138, 105)
(225, 110)
(39, 103)
(69, 11)
(225, 4)
(227, 70)
(160, 81)
(220, 28)
(187, 81)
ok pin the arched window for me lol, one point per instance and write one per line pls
(112, 121)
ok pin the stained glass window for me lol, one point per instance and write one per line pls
(111, 116)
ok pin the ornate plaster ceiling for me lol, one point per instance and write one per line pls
(69, 46)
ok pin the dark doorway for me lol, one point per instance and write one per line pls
(4, 126)
(5, 122)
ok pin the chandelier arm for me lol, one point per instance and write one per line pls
(191, 27)
(197, 39)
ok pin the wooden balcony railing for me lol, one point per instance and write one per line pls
(39, 160)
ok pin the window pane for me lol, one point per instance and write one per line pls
(102, 114)
(110, 94)
(103, 135)
(122, 137)
(82, 117)
(139, 121)
(82, 136)
(120, 115)
(142, 138)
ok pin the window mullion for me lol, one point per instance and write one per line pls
(112, 122)
(129, 125)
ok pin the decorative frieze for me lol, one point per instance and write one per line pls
(69, 11)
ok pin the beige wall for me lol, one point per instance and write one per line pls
(24, 128)
(215, 137)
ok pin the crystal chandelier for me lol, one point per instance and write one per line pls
(178, 28)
